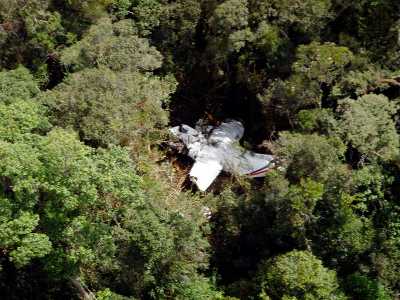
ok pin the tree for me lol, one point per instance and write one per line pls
(361, 82)
(17, 84)
(17, 238)
(20, 240)
(20, 119)
(176, 36)
(343, 231)
(105, 107)
(228, 29)
(316, 69)
(309, 156)
(368, 126)
(114, 98)
(333, 223)
(374, 27)
(298, 275)
(93, 203)
(303, 17)
(295, 210)
(116, 46)
(146, 14)
(96, 219)
(317, 120)
(385, 259)
(30, 31)
(268, 39)
(20, 168)
(89, 215)
(322, 62)
(363, 287)
(84, 211)
(90, 9)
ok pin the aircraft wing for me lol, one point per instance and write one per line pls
(187, 134)
(228, 132)
(204, 172)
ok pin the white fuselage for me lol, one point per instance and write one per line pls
(222, 144)
(217, 148)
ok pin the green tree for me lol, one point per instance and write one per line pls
(228, 29)
(309, 155)
(89, 199)
(361, 82)
(17, 84)
(304, 17)
(88, 214)
(119, 100)
(295, 210)
(362, 287)
(106, 107)
(318, 120)
(146, 13)
(20, 168)
(317, 67)
(176, 35)
(298, 275)
(322, 62)
(368, 126)
(374, 28)
(385, 259)
(18, 239)
(30, 31)
(91, 9)
(344, 230)
(20, 119)
(21, 238)
(116, 46)
(96, 219)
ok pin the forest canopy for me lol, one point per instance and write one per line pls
(94, 204)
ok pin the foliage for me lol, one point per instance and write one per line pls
(317, 67)
(19, 119)
(30, 32)
(305, 17)
(361, 82)
(228, 28)
(295, 210)
(82, 194)
(298, 275)
(343, 231)
(91, 9)
(367, 124)
(267, 38)
(91, 210)
(310, 155)
(93, 202)
(113, 45)
(18, 238)
(106, 107)
(17, 84)
(322, 63)
(317, 120)
(362, 287)
(176, 34)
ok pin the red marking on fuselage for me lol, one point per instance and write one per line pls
(259, 171)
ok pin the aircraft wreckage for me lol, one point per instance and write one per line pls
(217, 148)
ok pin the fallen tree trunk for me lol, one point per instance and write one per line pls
(83, 291)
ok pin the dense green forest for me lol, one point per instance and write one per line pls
(95, 205)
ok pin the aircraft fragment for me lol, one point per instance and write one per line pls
(217, 148)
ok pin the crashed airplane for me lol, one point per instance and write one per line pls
(217, 148)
